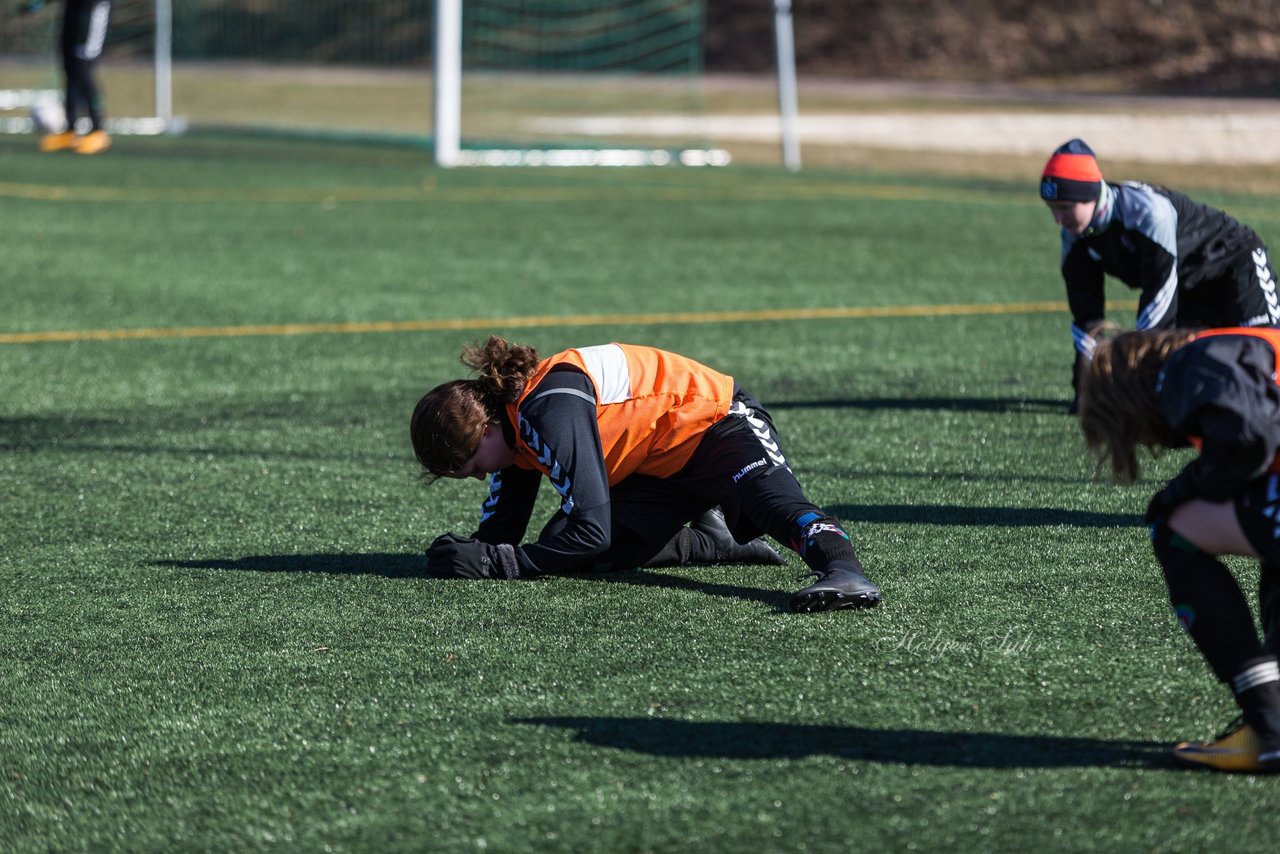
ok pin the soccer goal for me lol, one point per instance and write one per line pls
(515, 82)
(135, 69)
(570, 82)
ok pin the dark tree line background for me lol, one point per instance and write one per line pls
(1218, 47)
(1221, 47)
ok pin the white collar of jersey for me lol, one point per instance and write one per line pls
(1104, 211)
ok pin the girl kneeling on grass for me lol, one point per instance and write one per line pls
(1215, 391)
(637, 442)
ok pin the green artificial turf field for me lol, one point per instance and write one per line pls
(215, 633)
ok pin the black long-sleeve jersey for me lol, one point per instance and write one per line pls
(1179, 254)
(561, 412)
(1220, 392)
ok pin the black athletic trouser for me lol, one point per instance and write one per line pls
(739, 466)
(84, 31)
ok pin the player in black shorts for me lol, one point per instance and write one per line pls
(1214, 391)
(637, 442)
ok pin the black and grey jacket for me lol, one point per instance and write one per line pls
(564, 428)
(1193, 265)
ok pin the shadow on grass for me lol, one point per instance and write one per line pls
(1010, 517)
(667, 737)
(387, 565)
(940, 404)
(414, 565)
(777, 599)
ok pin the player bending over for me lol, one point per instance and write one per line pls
(1194, 266)
(637, 442)
(1215, 391)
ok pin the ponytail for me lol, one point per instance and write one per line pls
(501, 368)
(448, 421)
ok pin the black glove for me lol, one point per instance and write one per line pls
(451, 556)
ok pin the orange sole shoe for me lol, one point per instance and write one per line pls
(58, 141)
(1238, 750)
(94, 143)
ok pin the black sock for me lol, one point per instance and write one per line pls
(823, 544)
(1208, 603)
(1257, 689)
(1269, 606)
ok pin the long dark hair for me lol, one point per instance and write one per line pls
(448, 421)
(1119, 409)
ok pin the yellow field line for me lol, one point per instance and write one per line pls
(536, 321)
(430, 192)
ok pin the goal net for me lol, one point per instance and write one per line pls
(568, 82)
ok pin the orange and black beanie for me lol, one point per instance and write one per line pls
(1072, 174)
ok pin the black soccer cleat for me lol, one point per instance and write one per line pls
(728, 550)
(836, 589)
(755, 553)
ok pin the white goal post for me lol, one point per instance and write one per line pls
(788, 102)
(447, 91)
(449, 100)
